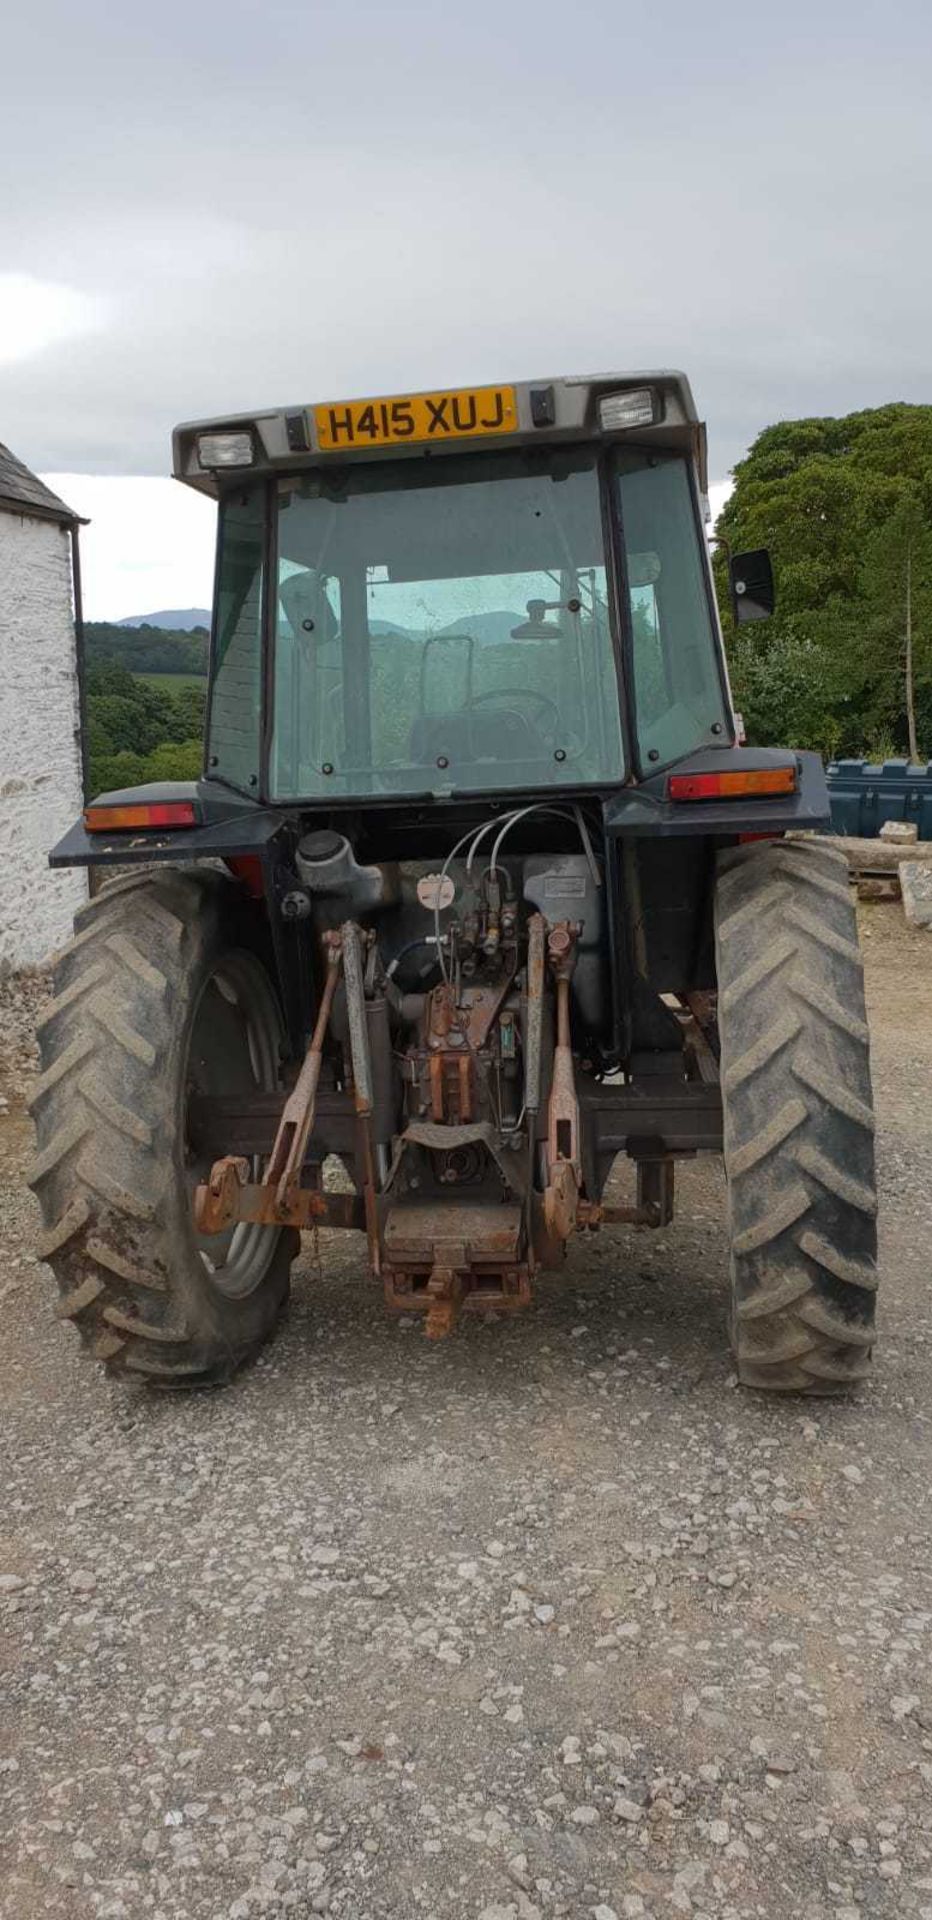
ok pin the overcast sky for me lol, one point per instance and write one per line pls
(214, 205)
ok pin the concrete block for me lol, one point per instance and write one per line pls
(916, 886)
(903, 833)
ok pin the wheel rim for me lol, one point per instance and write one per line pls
(233, 1049)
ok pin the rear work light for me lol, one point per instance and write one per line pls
(225, 450)
(637, 408)
(141, 817)
(752, 784)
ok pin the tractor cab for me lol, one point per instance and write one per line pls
(461, 594)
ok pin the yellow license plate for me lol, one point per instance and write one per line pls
(463, 415)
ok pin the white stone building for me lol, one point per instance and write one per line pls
(40, 730)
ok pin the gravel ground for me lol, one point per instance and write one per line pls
(547, 1621)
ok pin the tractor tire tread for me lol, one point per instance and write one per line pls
(798, 1118)
(103, 1108)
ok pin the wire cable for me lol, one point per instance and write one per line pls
(451, 856)
(489, 827)
(573, 813)
(475, 836)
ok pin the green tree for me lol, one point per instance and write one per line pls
(111, 771)
(146, 649)
(897, 587)
(191, 703)
(125, 723)
(833, 499)
(109, 676)
(180, 760)
(137, 732)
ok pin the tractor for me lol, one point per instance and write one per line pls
(480, 890)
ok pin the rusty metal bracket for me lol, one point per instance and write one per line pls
(592, 1214)
(284, 1168)
(445, 1288)
(218, 1203)
(455, 1258)
(230, 1197)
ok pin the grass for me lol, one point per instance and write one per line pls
(172, 682)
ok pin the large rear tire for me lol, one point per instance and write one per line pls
(161, 992)
(798, 1117)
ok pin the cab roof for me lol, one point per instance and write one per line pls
(452, 420)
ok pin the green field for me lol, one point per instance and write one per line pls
(172, 682)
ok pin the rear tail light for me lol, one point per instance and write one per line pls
(141, 817)
(752, 784)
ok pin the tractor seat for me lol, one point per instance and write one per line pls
(464, 738)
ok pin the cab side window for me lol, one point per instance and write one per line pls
(678, 680)
(236, 694)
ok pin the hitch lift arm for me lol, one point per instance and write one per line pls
(280, 1199)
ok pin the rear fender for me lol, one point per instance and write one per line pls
(254, 842)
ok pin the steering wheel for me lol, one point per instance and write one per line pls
(548, 710)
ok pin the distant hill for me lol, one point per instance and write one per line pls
(486, 626)
(170, 620)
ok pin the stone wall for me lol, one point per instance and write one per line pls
(40, 761)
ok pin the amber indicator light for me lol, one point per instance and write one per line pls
(164, 813)
(732, 786)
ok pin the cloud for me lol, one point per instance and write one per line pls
(38, 314)
(149, 545)
(293, 203)
(719, 492)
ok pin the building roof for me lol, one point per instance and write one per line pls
(23, 492)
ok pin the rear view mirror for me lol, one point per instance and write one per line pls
(750, 585)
